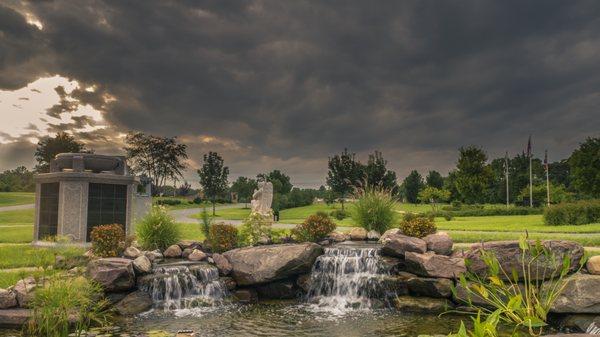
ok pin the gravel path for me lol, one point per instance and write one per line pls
(16, 207)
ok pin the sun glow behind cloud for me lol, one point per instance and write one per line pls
(24, 111)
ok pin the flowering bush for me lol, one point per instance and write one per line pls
(314, 228)
(417, 226)
(222, 237)
(108, 240)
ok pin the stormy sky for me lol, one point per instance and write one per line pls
(285, 84)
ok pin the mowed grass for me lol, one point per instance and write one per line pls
(511, 223)
(16, 226)
(473, 237)
(16, 198)
(10, 277)
(19, 255)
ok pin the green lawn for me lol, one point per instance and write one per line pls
(470, 237)
(16, 226)
(16, 256)
(16, 198)
(190, 231)
(9, 278)
(508, 223)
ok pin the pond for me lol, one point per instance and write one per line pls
(279, 318)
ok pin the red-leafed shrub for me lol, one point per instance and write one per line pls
(108, 240)
(222, 237)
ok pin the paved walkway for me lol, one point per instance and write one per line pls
(16, 207)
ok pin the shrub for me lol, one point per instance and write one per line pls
(573, 213)
(418, 226)
(157, 230)
(108, 240)
(255, 227)
(222, 237)
(169, 202)
(339, 214)
(374, 209)
(61, 301)
(314, 228)
(197, 200)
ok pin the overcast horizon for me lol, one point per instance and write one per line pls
(284, 85)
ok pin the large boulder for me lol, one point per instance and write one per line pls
(132, 252)
(14, 318)
(398, 245)
(580, 295)
(222, 264)
(134, 303)
(440, 243)
(197, 255)
(24, 290)
(339, 237)
(142, 264)
(358, 234)
(430, 287)
(509, 257)
(8, 299)
(256, 265)
(114, 274)
(593, 265)
(389, 233)
(174, 251)
(433, 265)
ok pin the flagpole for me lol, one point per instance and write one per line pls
(530, 152)
(547, 179)
(506, 176)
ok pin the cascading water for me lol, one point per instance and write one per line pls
(176, 287)
(346, 278)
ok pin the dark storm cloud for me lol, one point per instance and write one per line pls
(295, 81)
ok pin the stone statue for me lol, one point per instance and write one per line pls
(262, 199)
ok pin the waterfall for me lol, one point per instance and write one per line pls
(175, 287)
(346, 278)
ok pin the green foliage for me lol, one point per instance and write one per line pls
(431, 195)
(222, 237)
(434, 179)
(573, 213)
(108, 240)
(206, 221)
(374, 209)
(339, 214)
(344, 174)
(255, 227)
(61, 301)
(157, 230)
(521, 300)
(485, 328)
(49, 147)
(558, 194)
(585, 167)
(213, 177)
(17, 180)
(244, 187)
(417, 225)
(158, 158)
(169, 202)
(412, 185)
(315, 228)
(377, 174)
(473, 176)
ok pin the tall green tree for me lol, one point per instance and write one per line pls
(585, 168)
(213, 177)
(434, 179)
(473, 175)
(412, 185)
(244, 187)
(344, 174)
(17, 180)
(49, 147)
(159, 158)
(377, 174)
(560, 173)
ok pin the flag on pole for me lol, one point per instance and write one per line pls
(546, 160)
(529, 147)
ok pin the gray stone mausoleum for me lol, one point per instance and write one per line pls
(84, 190)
